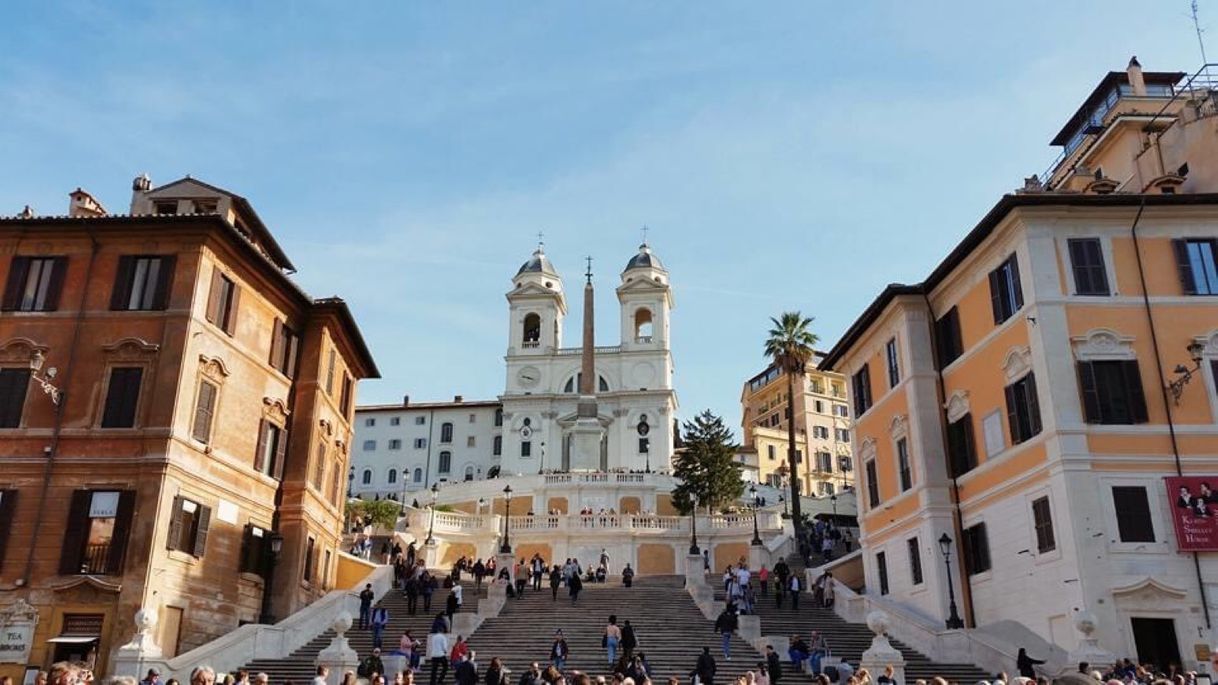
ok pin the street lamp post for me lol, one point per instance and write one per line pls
(756, 534)
(431, 528)
(541, 464)
(506, 547)
(693, 529)
(783, 499)
(481, 503)
(953, 618)
(271, 557)
(833, 499)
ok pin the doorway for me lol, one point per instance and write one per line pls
(1155, 641)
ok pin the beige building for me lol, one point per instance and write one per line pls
(174, 425)
(822, 430)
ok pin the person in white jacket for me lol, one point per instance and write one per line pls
(437, 653)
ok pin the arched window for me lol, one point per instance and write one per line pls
(572, 385)
(642, 325)
(469, 472)
(446, 433)
(446, 462)
(367, 477)
(393, 476)
(498, 417)
(418, 475)
(532, 330)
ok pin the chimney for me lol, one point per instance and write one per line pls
(139, 187)
(405, 400)
(1137, 84)
(82, 205)
(458, 399)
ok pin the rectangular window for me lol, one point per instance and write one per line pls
(188, 526)
(1087, 263)
(644, 445)
(222, 302)
(1042, 520)
(906, 473)
(819, 406)
(369, 423)
(1196, 262)
(1133, 514)
(369, 445)
(821, 432)
(881, 565)
(976, 550)
(873, 485)
(771, 451)
(254, 547)
(95, 538)
(14, 386)
(420, 420)
(309, 560)
(843, 434)
(1112, 392)
(205, 409)
(948, 341)
(824, 462)
(285, 348)
(841, 410)
(8, 519)
(395, 421)
(420, 443)
(526, 449)
(395, 444)
(1006, 294)
(1023, 409)
(272, 449)
(122, 397)
(470, 441)
(497, 445)
(861, 383)
(961, 451)
(344, 404)
(34, 284)
(319, 466)
(473, 418)
(915, 561)
(894, 367)
(446, 462)
(142, 282)
(446, 433)
(330, 373)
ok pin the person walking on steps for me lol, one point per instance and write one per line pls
(574, 585)
(725, 625)
(794, 588)
(451, 604)
(437, 653)
(380, 619)
(705, 668)
(365, 606)
(773, 665)
(559, 651)
(555, 581)
(1026, 665)
(630, 641)
(612, 638)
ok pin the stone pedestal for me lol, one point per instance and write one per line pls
(881, 653)
(695, 573)
(586, 437)
(431, 554)
(496, 597)
(1088, 648)
(758, 555)
(506, 560)
(133, 658)
(338, 656)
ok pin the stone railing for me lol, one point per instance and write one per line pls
(456, 523)
(251, 641)
(448, 519)
(564, 478)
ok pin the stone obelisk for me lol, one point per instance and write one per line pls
(587, 433)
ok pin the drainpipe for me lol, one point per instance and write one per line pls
(1167, 404)
(52, 450)
(966, 588)
(431, 423)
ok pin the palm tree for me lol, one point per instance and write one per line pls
(789, 348)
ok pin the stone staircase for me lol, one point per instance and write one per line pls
(847, 641)
(300, 667)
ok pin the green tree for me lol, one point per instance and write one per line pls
(382, 513)
(789, 347)
(705, 465)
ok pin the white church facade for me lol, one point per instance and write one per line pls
(549, 419)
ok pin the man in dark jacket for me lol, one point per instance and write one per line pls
(725, 625)
(773, 664)
(705, 670)
(467, 672)
(629, 641)
(365, 606)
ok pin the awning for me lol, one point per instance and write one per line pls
(74, 639)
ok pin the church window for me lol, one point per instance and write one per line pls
(532, 330)
(498, 417)
(446, 462)
(643, 328)
(497, 446)
(573, 382)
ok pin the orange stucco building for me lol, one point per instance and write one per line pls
(193, 433)
(1026, 403)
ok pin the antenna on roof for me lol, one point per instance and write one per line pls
(540, 240)
(1205, 63)
(645, 229)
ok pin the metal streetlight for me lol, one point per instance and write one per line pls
(783, 499)
(481, 503)
(1176, 387)
(756, 534)
(431, 528)
(693, 529)
(953, 618)
(506, 547)
(274, 545)
(44, 380)
(833, 499)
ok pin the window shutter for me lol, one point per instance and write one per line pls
(1013, 415)
(996, 297)
(8, 508)
(293, 351)
(1091, 395)
(1188, 283)
(966, 435)
(204, 524)
(1033, 401)
(59, 269)
(164, 282)
(14, 386)
(277, 345)
(1133, 389)
(120, 297)
(204, 410)
(213, 297)
(234, 301)
(122, 531)
(281, 453)
(74, 534)
(18, 270)
(260, 452)
(175, 524)
(1016, 286)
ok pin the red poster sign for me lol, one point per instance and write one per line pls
(1194, 501)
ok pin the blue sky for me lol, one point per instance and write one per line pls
(785, 155)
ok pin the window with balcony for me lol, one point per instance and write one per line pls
(1006, 294)
(1197, 265)
(34, 284)
(95, 538)
(189, 522)
(142, 282)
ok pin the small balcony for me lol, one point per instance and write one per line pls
(95, 560)
(531, 344)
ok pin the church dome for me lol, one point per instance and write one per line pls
(645, 259)
(538, 263)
